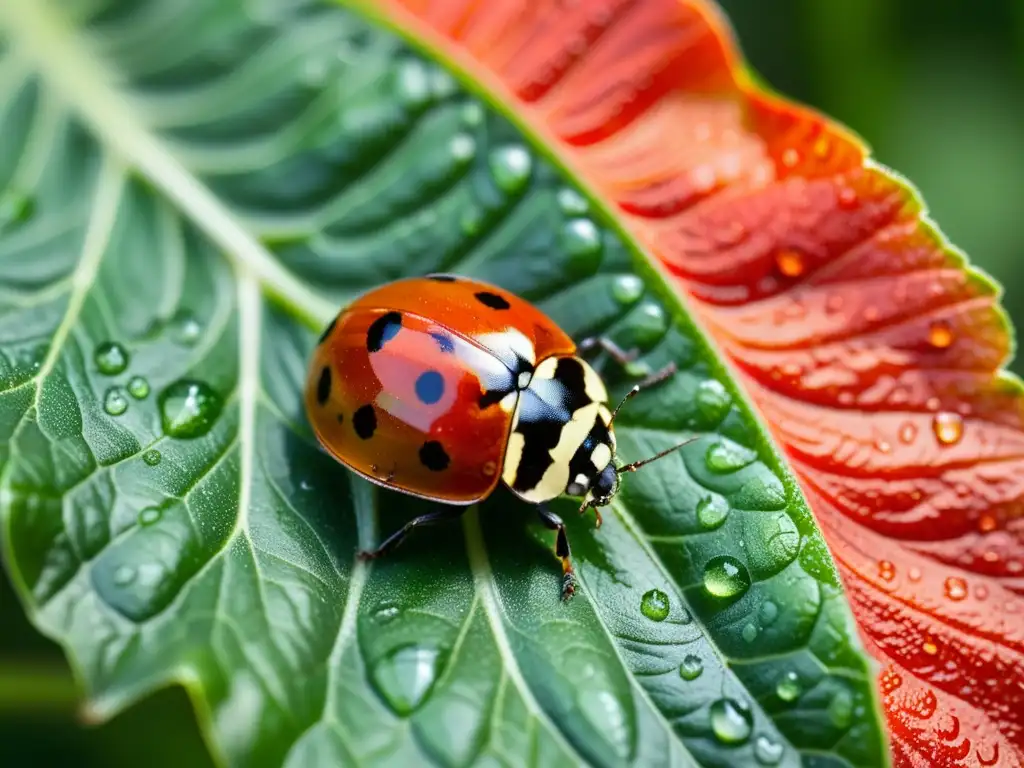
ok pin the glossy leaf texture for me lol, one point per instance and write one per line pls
(870, 347)
(190, 191)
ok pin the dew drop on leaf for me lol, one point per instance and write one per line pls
(571, 202)
(713, 400)
(580, 240)
(188, 408)
(790, 262)
(124, 575)
(847, 198)
(948, 427)
(768, 612)
(731, 722)
(627, 289)
(114, 401)
(788, 688)
(510, 167)
(940, 335)
(150, 515)
(185, 329)
(728, 457)
(472, 113)
(654, 605)
(955, 588)
(649, 323)
(725, 576)
(691, 667)
(462, 146)
(111, 358)
(749, 632)
(405, 676)
(840, 709)
(413, 83)
(711, 512)
(766, 751)
(152, 457)
(138, 387)
(15, 208)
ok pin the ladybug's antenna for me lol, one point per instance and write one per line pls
(637, 464)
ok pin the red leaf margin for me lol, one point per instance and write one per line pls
(873, 352)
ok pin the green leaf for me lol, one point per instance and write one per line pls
(190, 191)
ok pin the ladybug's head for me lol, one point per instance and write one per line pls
(605, 486)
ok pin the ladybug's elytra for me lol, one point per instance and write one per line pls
(440, 386)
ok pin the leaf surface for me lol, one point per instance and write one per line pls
(191, 190)
(871, 349)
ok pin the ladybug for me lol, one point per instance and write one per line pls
(443, 386)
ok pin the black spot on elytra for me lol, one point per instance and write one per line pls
(492, 300)
(569, 373)
(442, 278)
(429, 387)
(444, 342)
(433, 456)
(327, 330)
(364, 421)
(382, 330)
(323, 387)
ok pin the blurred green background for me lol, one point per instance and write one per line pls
(936, 87)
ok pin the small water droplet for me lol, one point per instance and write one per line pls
(571, 202)
(114, 401)
(412, 83)
(510, 167)
(138, 387)
(713, 400)
(580, 240)
(462, 146)
(711, 512)
(188, 408)
(150, 515)
(731, 722)
(908, 431)
(152, 457)
(788, 688)
(124, 575)
(654, 605)
(790, 262)
(15, 208)
(790, 157)
(725, 577)
(914, 574)
(768, 612)
(767, 751)
(472, 113)
(956, 588)
(111, 358)
(691, 667)
(987, 523)
(948, 427)
(185, 329)
(728, 457)
(442, 84)
(385, 614)
(627, 289)
(940, 334)
(886, 570)
(840, 709)
(929, 647)
(405, 676)
(749, 632)
(650, 322)
(847, 198)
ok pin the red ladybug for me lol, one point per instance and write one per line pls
(440, 386)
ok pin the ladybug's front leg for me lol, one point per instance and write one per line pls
(627, 360)
(554, 522)
(441, 515)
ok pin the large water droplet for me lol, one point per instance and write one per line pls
(572, 202)
(948, 427)
(790, 263)
(711, 512)
(691, 667)
(731, 722)
(510, 167)
(766, 751)
(111, 358)
(728, 457)
(788, 688)
(654, 605)
(114, 401)
(725, 577)
(15, 208)
(627, 289)
(713, 400)
(955, 588)
(152, 457)
(138, 387)
(150, 515)
(189, 408)
(940, 334)
(840, 709)
(405, 676)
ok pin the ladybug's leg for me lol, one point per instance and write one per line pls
(626, 359)
(554, 522)
(443, 514)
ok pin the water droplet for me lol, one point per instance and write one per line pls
(847, 198)
(914, 574)
(572, 202)
(442, 84)
(728, 457)
(152, 457)
(385, 614)
(713, 400)
(956, 588)
(730, 721)
(462, 146)
(840, 709)
(767, 751)
(510, 167)
(908, 431)
(691, 668)
(114, 401)
(124, 575)
(987, 523)
(472, 113)
(471, 221)
(654, 605)
(788, 688)
(406, 675)
(185, 329)
(948, 427)
(627, 289)
(940, 334)
(790, 157)
(725, 576)
(580, 240)
(768, 612)
(111, 358)
(790, 262)
(712, 511)
(886, 570)
(749, 632)
(929, 647)
(188, 408)
(412, 82)
(150, 515)
(649, 323)
(138, 387)
(15, 208)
